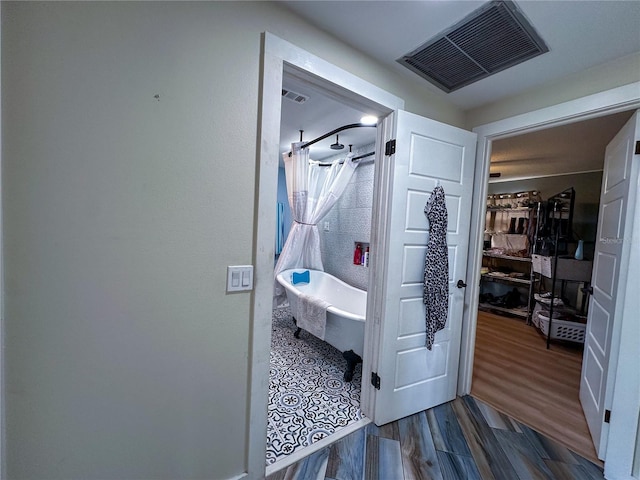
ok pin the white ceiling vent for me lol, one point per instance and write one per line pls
(294, 96)
(494, 37)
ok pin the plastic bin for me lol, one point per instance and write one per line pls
(560, 329)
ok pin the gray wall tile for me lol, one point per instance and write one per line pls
(349, 223)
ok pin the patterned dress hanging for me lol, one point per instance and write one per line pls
(436, 266)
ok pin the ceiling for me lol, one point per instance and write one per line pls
(573, 30)
(579, 34)
(572, 148)
(319, 115)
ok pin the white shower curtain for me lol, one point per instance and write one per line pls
(312, 191)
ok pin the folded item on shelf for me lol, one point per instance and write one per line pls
(545, 299)
(510, 253)
(510, 242)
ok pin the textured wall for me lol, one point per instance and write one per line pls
(350, 222)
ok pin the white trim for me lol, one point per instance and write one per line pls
(3, 445)
(344, 83)
(377, 271)
(611, 101)
(616, 100)
(531, 177)
(277, 54)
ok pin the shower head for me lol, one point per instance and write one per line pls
(337, 145)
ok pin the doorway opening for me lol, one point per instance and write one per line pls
(314, 394)
(284, 60)
(511, 354)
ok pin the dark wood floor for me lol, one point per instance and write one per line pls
(463, 439)
(515, 373)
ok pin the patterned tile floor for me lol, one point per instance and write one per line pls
(308, 399)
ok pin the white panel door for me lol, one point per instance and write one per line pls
(611, 253)
(413, 378)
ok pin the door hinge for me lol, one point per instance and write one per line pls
(637, 147)
(390, 147)
(375, 380)
(607, 416)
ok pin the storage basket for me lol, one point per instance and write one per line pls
(560, 329)
(568, 268)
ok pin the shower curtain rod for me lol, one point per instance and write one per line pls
(333, 132)
(359, 157)
(363, 156)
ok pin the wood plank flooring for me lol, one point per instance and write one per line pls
(463, 439)
(515, 373)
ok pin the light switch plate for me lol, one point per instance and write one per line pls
(239, 278)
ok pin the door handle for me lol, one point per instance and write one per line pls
(461, 284)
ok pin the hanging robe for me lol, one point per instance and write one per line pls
(436, 266)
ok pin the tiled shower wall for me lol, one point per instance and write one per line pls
(349, 223)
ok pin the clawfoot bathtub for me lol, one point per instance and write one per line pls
(345, 314)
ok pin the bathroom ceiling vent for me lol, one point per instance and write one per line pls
(494, 37)
(294, 96)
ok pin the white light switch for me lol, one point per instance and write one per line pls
(326, 226)
(239, 278)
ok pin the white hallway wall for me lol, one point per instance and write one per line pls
(124, 356)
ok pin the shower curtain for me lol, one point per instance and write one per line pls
(312, 191)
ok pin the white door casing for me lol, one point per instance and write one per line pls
(612, 250)
(280, 56)
(413, 378)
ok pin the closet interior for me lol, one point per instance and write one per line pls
(540, 236)
(530, 256)
(540, 227)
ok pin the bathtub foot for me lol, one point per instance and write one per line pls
(297, 332)
(352, 359)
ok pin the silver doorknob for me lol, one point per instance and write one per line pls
(461, 284)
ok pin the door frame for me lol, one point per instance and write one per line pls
(612, 101)
(280, 57)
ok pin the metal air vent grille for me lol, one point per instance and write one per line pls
(294, 96)
(494, 37)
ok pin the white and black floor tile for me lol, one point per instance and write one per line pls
(308, 398)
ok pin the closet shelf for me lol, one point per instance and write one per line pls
(506, 257)
(518, 312)
(505, 278)
(495, 208)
